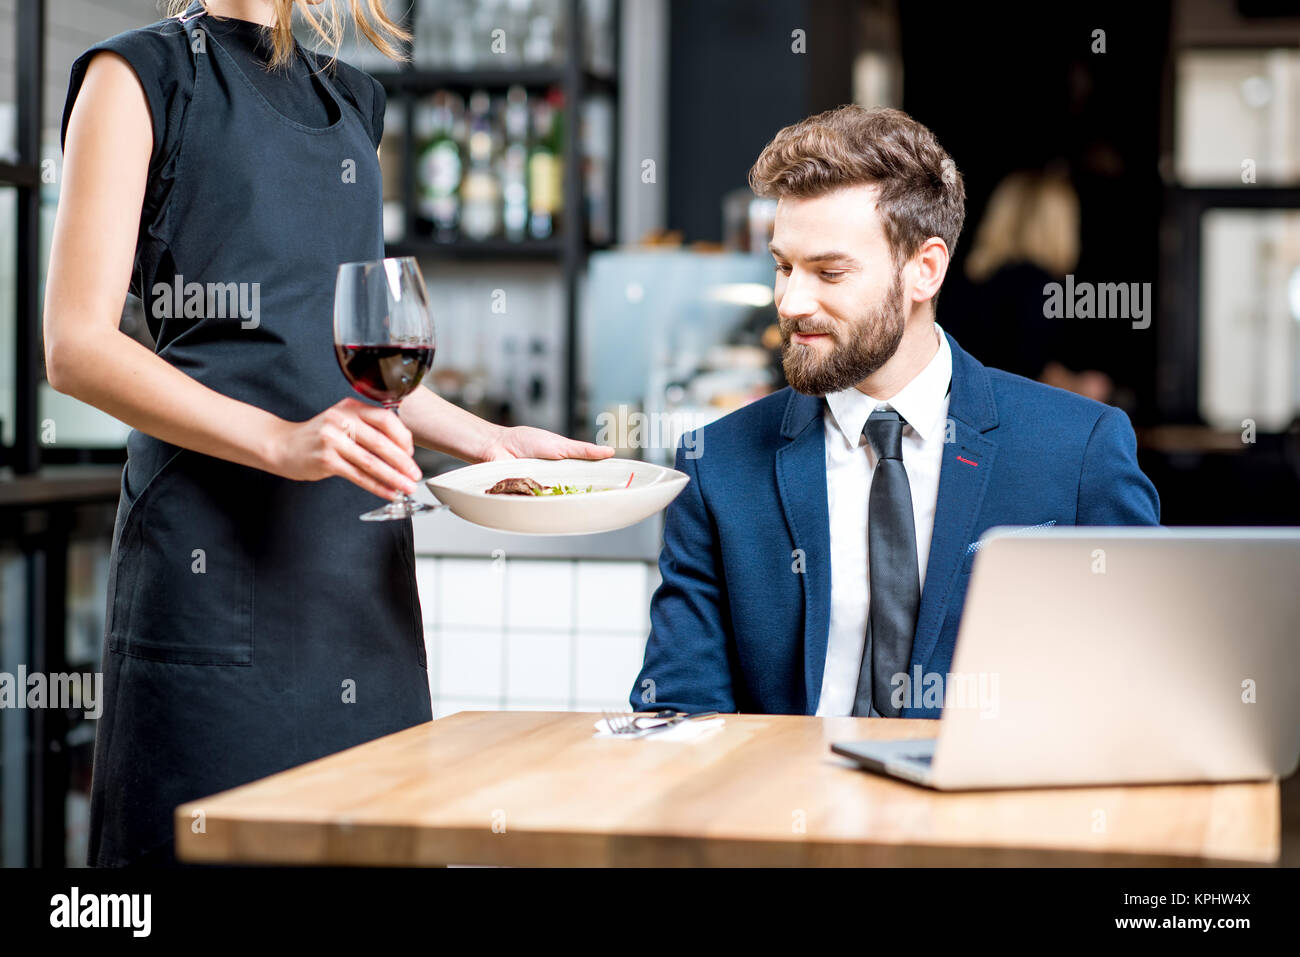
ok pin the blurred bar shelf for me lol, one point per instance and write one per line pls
(478, 249)
(530, 78)
(578, 78)
(531, 249)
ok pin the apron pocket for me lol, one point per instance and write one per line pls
(183, 585)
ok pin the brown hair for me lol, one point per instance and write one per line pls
(383, 32)
(921, 192)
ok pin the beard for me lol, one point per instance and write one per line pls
(858, 351)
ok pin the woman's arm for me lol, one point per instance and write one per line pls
(106, 160)
(438, 424)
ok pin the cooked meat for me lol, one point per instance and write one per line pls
(516, 486)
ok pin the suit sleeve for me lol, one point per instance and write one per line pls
(1112, 488)
(687, 662)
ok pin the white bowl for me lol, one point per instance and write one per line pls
(464, 491)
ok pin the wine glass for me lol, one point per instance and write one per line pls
(383, 337)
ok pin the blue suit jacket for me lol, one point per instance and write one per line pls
(734, 625)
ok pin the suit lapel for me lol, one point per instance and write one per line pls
(801, 482)
(968, 456)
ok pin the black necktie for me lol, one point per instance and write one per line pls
(894, 578)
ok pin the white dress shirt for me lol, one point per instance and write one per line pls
(850, 464)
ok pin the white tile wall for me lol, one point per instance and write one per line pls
(607, 665)
(539, 595)
(539, 665)
(611, 596)
(533, 634)
(426, 579)
(471, 591)
(470, 664)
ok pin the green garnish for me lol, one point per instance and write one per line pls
(567, 490)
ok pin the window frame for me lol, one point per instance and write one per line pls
(24, 455)
(27, 454)
(1178, 377)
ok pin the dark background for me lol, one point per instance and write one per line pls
(1004, 87)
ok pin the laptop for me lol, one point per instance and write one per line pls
(1092, 656)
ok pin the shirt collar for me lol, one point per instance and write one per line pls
(920, 402)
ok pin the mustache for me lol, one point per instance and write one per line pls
(807, 328)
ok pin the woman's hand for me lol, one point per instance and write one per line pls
(368, 446)
(525, 442)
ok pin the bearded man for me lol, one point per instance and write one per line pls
(821, 552)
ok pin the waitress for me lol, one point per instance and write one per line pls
(253, 622)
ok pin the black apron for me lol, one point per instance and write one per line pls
(254, 623)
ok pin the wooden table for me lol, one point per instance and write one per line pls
(535, 788)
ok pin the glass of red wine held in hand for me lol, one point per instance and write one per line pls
(383, 337)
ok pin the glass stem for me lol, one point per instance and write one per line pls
(402, 498)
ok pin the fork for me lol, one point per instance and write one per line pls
(626, 722)
(620, 723)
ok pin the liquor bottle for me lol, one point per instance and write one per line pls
(597, 138)
(539, 47)
(598, 36)
(390, 167)
(439, 169)
(431, 46)
(514, 165)
(545, 169)
(481, 191)
(561, 116)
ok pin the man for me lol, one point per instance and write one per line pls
(822, 549)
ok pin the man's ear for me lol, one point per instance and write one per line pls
(931, 265)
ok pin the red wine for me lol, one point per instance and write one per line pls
(385, 373)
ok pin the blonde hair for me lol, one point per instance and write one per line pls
(1031, 217)
(368, 16)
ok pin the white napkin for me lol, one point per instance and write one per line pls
(684, 731)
